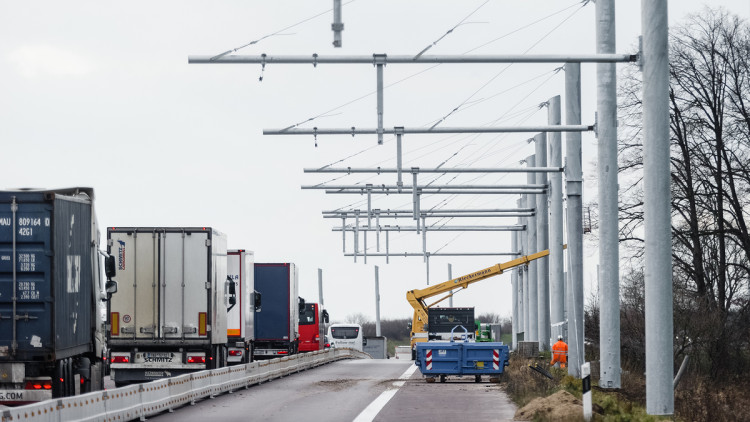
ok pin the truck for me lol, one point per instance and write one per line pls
(277, 320)
(52, 341)
(241, 315)
(420, 327)
(312, 327)
(169, 315)
(441, 321)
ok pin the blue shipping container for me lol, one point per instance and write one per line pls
(54, 276)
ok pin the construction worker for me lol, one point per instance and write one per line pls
(560, 352)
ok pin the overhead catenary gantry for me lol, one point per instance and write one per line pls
(654, 65)
(381, 60)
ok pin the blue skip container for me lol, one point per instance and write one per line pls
(443, 358)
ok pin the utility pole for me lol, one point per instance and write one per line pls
(542, 244)
(337, 26)
(556, 263)
(533, 333)
(320, 288)
(514, 287)
(377, 302)
(609, 255)
(574, 185)
(450, 277)
(656, 209)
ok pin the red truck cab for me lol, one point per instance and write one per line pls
(312, 328)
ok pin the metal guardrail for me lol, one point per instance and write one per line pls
(138, 401)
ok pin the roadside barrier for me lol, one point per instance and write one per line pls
(138, 401)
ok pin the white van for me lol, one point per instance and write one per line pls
(346, 335)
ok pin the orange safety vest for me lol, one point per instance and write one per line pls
(560, 353)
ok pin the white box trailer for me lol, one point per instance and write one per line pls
(241, 315)
(169, 315)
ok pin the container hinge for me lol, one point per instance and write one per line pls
(208, 285)
(208, 242)
(147, 330)
(166, 329)
(127, 330)
(189, 330)
(110, 242)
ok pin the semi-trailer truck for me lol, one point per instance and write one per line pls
(52, 341)
(169, 315)
(241, 315)
(277, 320)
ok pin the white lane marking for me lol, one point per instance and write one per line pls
(379, 403)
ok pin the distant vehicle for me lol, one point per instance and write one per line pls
(403, 352)
(51, 295)
(312, 323)
(277, 320)
(169, 316)
(241, 315)
(346, 335)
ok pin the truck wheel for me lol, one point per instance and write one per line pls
(442, 378)
(477, 378)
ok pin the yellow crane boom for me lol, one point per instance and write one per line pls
(417, 297)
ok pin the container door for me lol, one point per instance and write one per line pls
(33, 278)
(132, 307)
(248, 296)
(185, 290)
(236, 273)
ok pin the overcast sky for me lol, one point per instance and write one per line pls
(100, 94)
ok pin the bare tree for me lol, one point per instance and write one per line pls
(710, 162)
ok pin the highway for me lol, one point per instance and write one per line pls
(355, 389)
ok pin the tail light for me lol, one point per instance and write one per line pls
(282, 352)
(120, 359)
(38, 385)
(235, 353)
(317, 337)
(196, 359)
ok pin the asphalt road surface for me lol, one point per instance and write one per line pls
(359, 390)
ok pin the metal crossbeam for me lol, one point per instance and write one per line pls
(422, 254)
(514, 228)
(439, 210)
(379, 170)
(440, 215)
(439, 191)
(315, 59)
(427, 131)
(426, 187)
